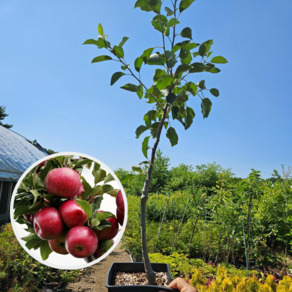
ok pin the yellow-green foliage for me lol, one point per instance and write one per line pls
(225, 283)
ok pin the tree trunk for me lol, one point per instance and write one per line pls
(144, 197)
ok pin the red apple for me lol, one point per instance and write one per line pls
(108, 232)
(63, 182)
(72, 214)
(29, 217)
(48, 224)
(103, 247)
(120, 217)
(41, 165)
(58, 244)
(120, 202)
(81, 242)
(81, 189)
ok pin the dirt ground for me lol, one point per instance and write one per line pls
(93, 278)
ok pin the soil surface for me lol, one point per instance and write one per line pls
(122, 279)
(93, 278)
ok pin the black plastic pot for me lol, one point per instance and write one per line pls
(56, 287)
(134, 268)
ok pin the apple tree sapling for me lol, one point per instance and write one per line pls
(172, 91)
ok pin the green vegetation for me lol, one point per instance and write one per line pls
(213, 216)
(3, 115)
(20, 272)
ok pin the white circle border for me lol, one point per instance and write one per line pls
(120, 234)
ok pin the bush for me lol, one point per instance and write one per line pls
(20, 272)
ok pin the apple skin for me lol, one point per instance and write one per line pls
(29, 217)
(41, 165)
(63, 182)
(58, 245)
(120, 217)
(81, 189)
(81, 241)
(120, 202)
(109, 232)
(72, 214)
(48, 223)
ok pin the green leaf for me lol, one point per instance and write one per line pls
(189, 46)
(85, 206)
(140, 130)
(158, 73)
(213, 70)
(206, 106)
(155, 5)
(197, 67)
(118, 51)
(123, 41)
(96, 167)
(140, 91)
(45, 250)
(108, 178)
(160, 23)
(137, 169)
(103, 215)
(171, 98)
(205, 47)
(124, 67)
(155, 59)
(36, 194)
(97, 191)
(105, 246)
(143, 5)
(107, 188)
(86, 186)
(99, 176)
(101, 43)
(150, 116)
(144, 162)
(94, 222)
(201, 84)
(101, 59)
(44, 171)
(164, 82)
(126, 177)
(189, 116)
(102, 225)
(169, 11)
(138, 63)
(116, 76)
(146, 54)
(219, 60)
(209, 54)
(186, 57)
(195, 54)
(100, 29)
(170, 59)
(154, 129)
(191, 87)
(172, 136)
(131, 87)
(186, 33)
(30, 237)
(182, 97)
(184, 4)
(182, 68)
(214, 91)
(96, 203)
(145, 146)
(172, 22)
(179, 46)
(90, 42)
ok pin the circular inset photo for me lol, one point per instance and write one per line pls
(68, 211)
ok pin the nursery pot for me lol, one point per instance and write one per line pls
(134, 268)
(58, 286)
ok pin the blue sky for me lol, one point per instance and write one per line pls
(54, 94)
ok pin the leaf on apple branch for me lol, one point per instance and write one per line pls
(85, 206)
(45, 250)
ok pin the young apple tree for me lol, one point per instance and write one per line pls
(172, 88)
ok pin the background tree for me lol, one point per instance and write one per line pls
(3, 115)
